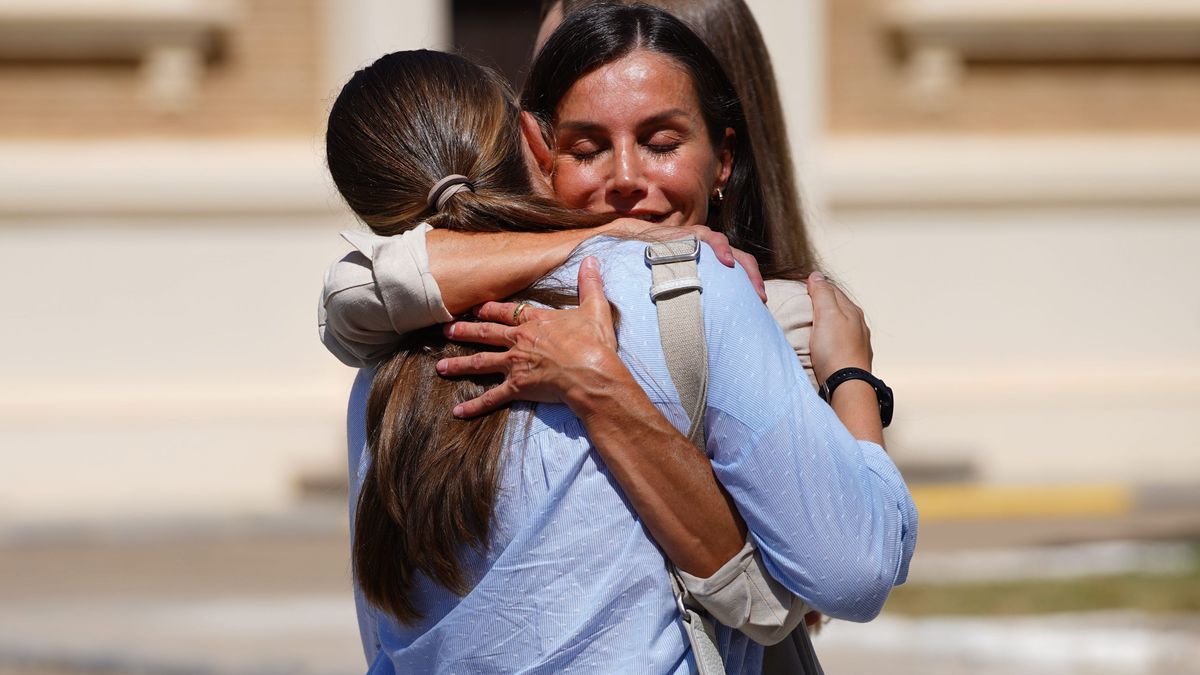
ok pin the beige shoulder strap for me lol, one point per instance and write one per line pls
(676, 293)
(676, 290)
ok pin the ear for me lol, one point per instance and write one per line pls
(536, 142)
(725, 157)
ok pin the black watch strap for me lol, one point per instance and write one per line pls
(883, 393)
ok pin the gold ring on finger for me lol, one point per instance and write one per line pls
(516, 315)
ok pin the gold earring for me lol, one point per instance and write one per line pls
(718, 195)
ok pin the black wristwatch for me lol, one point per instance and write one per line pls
(883, 393)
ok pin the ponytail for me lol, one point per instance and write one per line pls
(397, 129)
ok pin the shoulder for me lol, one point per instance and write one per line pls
(789, 303)
(727, 292)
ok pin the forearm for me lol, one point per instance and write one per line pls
(857, 407)
(473, 267)
(669, 482)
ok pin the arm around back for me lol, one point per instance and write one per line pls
(377, 293)
(831, 515)
(393, 285)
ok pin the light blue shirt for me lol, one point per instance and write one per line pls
(572, 582)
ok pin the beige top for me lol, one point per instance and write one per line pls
(377, 293)
(791, 307)
(384, 289)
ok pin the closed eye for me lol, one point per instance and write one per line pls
(662, 149)
(584, 150)
(585, 157)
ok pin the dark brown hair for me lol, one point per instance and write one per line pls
(399, 126)
(729, 29)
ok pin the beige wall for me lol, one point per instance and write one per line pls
(1024, 252)
(160, 354)
(266, 82)
(1030, 287)
(163, 365)
(1036, 343)
(866, 89)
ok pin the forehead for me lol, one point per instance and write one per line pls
(638, 85)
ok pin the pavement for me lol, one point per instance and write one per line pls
(272, 595)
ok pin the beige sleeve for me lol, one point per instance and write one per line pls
(744, 596)
(377, 293)
(789, 303)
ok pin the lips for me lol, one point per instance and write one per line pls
(648, 217)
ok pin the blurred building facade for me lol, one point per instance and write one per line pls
(1012, 193)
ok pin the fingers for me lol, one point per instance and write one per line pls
(844, 302)
(718, 242)
(504, 312)
(822, 293)
(750, 265)
(845, 305)
(490, 400)
(481, 363)
(591, 290)
(495, 334)
(591, 285)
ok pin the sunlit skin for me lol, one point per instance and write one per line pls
(629, 138)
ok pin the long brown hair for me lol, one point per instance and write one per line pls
(399, 126)
(729, 29)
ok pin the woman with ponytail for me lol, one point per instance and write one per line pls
(430, 490)
(503, 543)
(426, 500)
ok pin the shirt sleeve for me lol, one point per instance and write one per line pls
(831, 515)
(743, 596)
(377, 293)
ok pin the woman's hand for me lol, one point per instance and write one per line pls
(841, 339)
(718, 242)
(554, 355)
(840, 336)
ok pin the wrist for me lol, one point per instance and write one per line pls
(824, 373)
(854, 377)
(601, 387)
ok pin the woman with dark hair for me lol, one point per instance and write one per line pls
(729, 29)
(421, 278)
(836, 469)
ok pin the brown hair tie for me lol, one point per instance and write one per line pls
(446, 188)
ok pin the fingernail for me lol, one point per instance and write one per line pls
(458, 411)
(441, 366)
(817, 276)
(448, 330)
(589, 263)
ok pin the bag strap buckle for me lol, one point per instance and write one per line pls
(680, 250)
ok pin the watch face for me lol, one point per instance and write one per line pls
(887, 403)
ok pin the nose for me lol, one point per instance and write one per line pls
(627, 180)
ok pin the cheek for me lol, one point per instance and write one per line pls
(576, 185)
(686, 181)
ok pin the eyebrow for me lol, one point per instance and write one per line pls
(586, 126)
